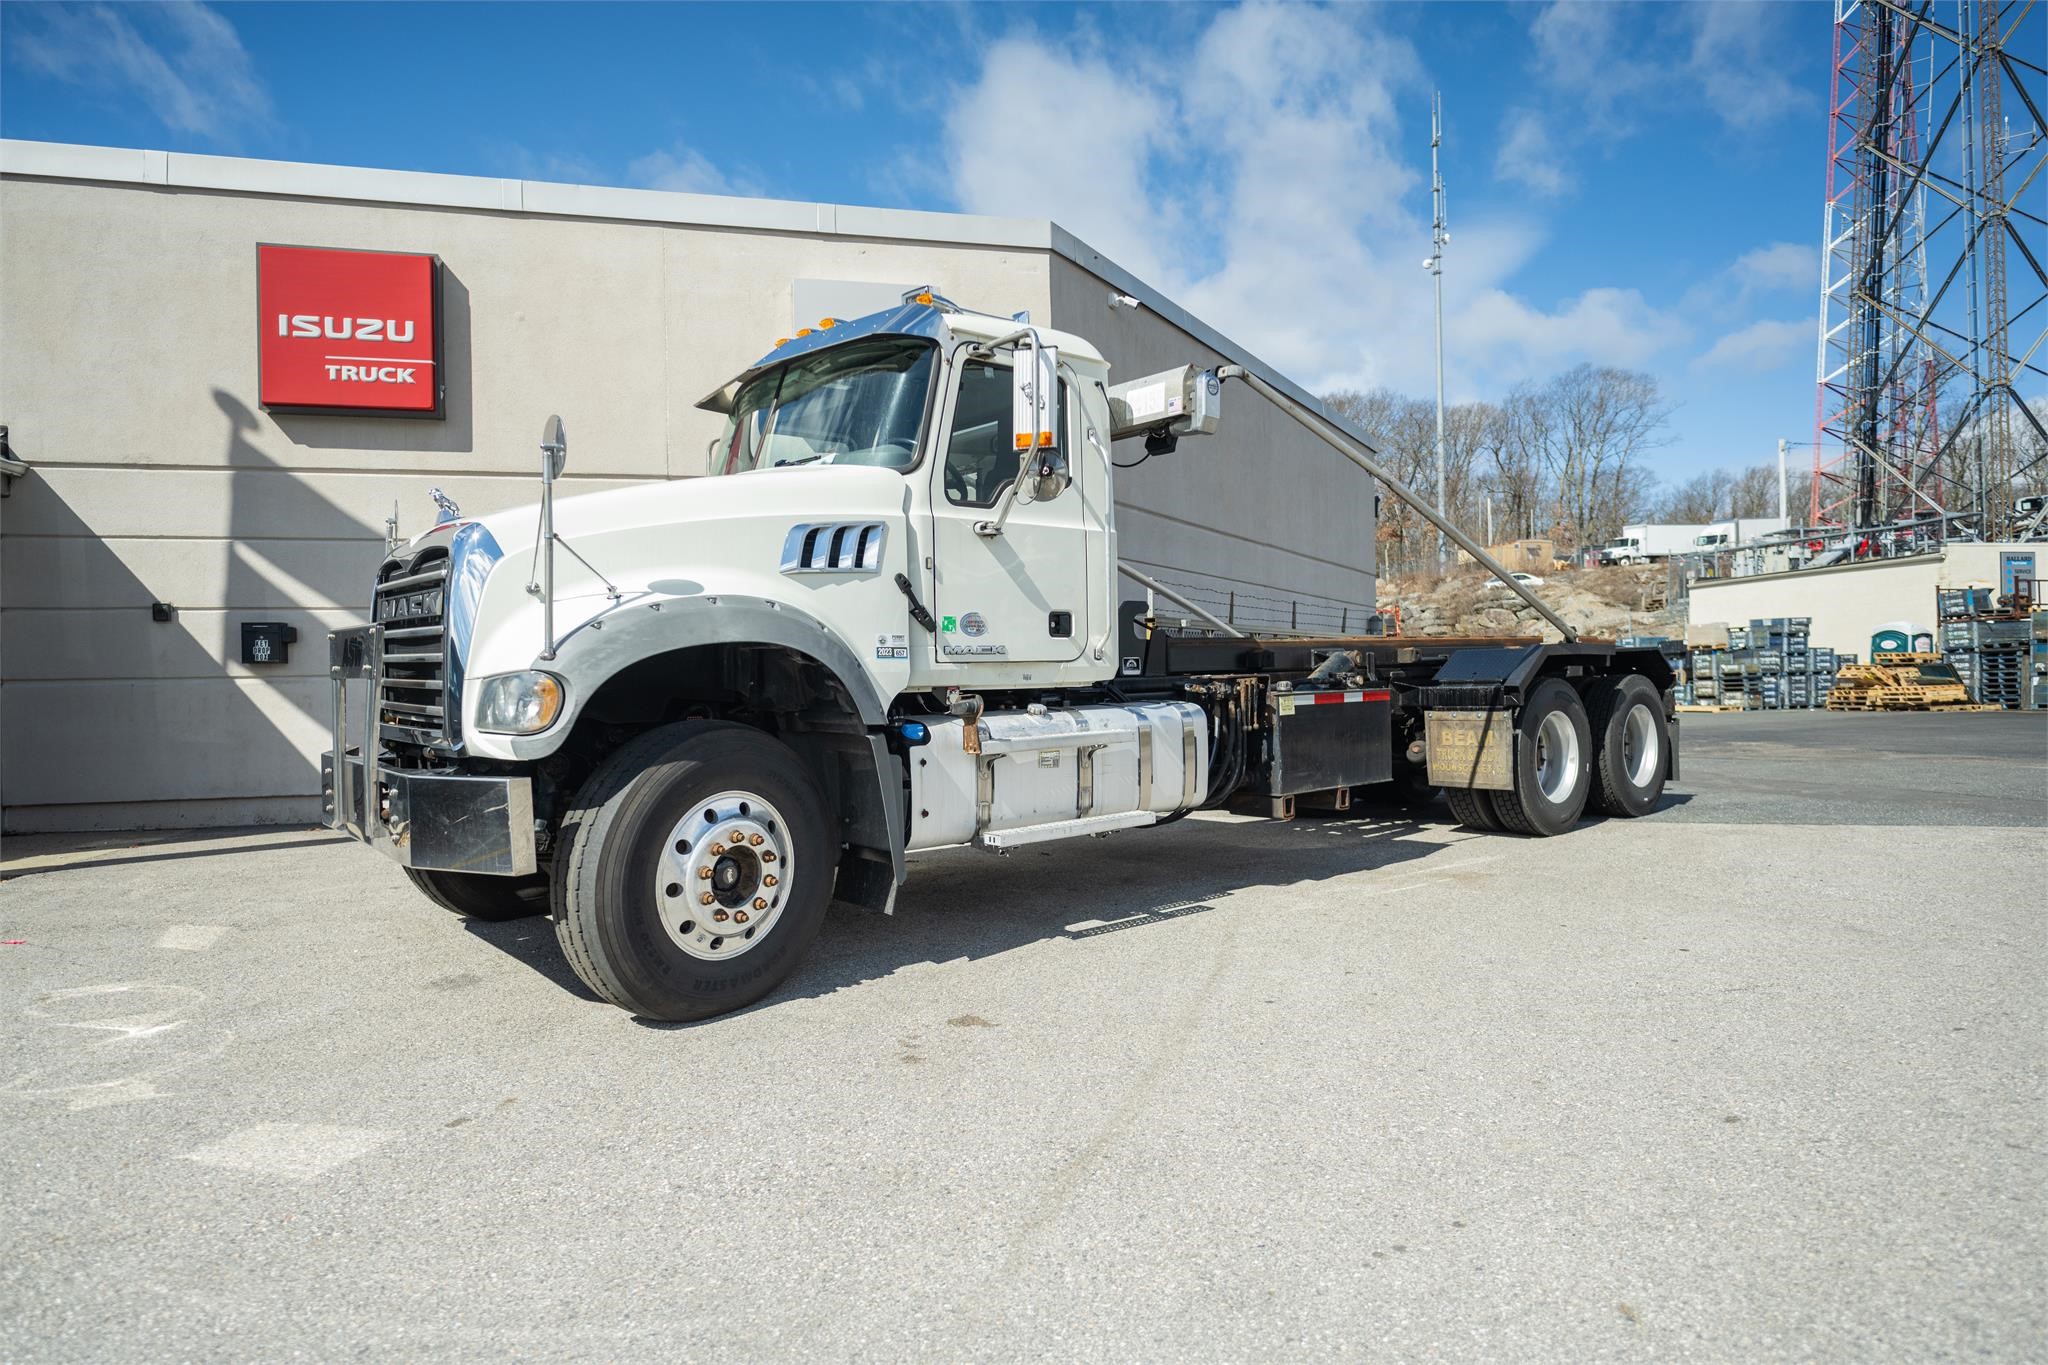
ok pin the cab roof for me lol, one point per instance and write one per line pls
(938, 320)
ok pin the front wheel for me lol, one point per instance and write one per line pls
(1553, 763)
(696, 870)
(476, 896)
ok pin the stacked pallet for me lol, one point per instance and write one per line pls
(1901, 682)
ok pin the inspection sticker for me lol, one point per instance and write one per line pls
(892, 646)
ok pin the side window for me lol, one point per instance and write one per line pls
(981, 452)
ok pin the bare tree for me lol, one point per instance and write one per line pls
(1515, 439)
(1603, 420)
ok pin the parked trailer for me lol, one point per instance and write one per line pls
(891, 625)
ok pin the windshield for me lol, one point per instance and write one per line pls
(861, 404)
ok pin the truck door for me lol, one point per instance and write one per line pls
(1021, 596)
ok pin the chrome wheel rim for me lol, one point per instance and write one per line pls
(1639, 746)
(1557, 757)
(724, 876)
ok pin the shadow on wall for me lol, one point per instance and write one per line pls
(455, 433)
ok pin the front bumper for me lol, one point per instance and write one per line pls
(434, 821)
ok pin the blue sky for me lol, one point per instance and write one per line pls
(1629, 185)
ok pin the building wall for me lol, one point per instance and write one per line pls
(128, 382)
(1849, 602)
(1261, 519)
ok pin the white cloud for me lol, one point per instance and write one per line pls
(1759, 347)
(1265, 181)
(1046, 133)
(688, 170)
(1734, 61)
(1612, 61)
(1781, 265)
(183, 60)
(1528, 156)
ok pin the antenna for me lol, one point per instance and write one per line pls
(1439, 237)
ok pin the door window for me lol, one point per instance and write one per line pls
(981, 454)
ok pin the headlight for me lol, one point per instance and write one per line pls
(518, 703)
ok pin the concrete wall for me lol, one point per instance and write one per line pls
(1849, 602)
(128, 380)
(1262, 514)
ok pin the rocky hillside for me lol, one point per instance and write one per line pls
(1599, 602)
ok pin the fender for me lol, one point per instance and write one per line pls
(648, 625)
(644, 626)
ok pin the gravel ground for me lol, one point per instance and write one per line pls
(1757, 1078)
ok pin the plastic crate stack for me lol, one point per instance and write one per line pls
(1768, 666)
(1991, 651)
(2037, 692)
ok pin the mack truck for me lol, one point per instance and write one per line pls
(684, 719)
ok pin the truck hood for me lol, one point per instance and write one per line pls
(761, 497)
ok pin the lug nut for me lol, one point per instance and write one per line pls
(760, 903)
(739, 836)
(768, 880)
(720, 916)
(717, 849)
(706, 898)
(756, 840)
(739, 917)
(767, 857)
(703, 874)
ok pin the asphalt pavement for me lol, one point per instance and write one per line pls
(1756, 1078)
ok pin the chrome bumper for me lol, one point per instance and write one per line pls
(450, 822)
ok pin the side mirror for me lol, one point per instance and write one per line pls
(554, 447)
(1034, 405)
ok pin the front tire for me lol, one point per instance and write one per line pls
(1627, 718)
(1553, 763)
(696, 867)
(476, 896)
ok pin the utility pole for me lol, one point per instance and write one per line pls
(1439, 237)
(1784, 508)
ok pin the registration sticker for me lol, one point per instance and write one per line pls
(892, 646)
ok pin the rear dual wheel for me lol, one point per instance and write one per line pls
(1610, 750)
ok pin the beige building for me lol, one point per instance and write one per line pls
(157, 484)
(1850, 602)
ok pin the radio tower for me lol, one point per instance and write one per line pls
(1923, 431)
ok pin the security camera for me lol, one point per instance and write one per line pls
(1117, 300)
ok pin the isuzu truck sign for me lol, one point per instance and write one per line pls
(355, 332)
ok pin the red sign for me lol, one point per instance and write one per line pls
(348, 331)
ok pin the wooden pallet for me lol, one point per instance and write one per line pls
(1705, 708)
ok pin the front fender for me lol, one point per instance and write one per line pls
(650, 624)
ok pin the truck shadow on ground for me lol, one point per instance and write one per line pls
(967, 904)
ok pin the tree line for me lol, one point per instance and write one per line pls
(1561, 459)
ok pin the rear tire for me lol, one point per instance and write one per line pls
(1633, 744)
(695, 868)
(1553, 763)
(476, 896)
(1472, 808)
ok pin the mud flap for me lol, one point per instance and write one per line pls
(868, 877)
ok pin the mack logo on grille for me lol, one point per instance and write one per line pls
(404, 605)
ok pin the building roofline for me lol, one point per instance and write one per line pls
(430, 189)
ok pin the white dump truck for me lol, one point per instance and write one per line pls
(683, 719)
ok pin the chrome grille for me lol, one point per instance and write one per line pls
(411, 606)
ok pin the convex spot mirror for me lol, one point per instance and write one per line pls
(554, 446)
